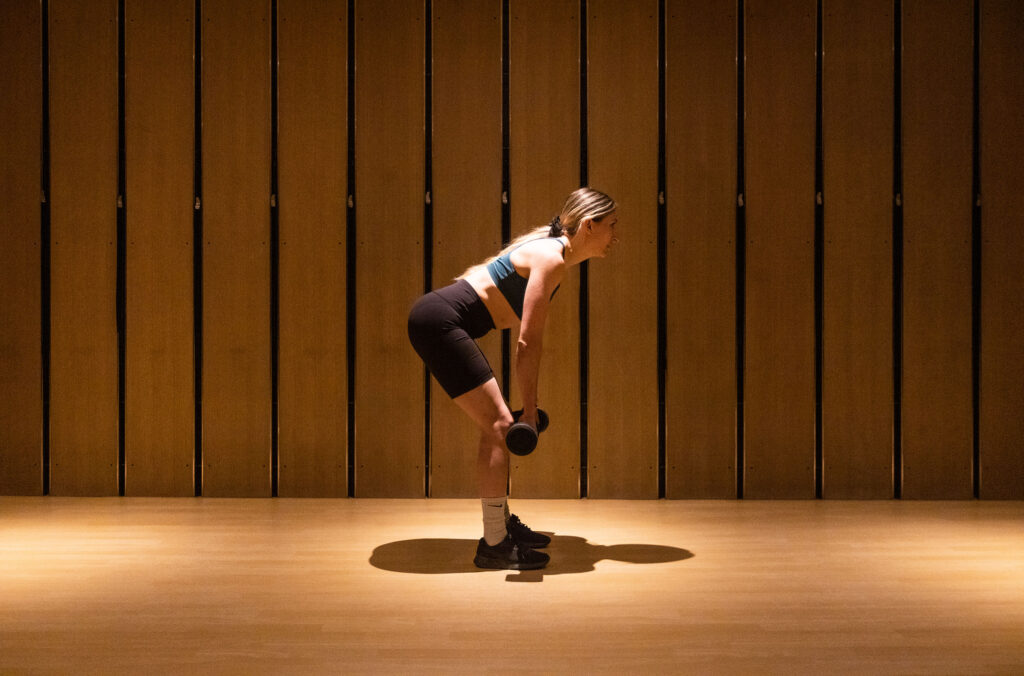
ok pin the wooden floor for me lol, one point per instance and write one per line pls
(388, 586)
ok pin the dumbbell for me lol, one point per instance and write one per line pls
(521, 439)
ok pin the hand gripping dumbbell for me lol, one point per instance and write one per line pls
(521, 439)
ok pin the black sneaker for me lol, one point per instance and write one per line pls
(508, 555)
(522, 534)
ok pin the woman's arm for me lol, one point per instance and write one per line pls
(546, 271)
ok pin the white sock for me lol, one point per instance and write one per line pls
(494, 519)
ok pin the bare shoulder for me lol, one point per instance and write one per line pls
(540, 255)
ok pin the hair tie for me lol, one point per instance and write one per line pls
(556, 227)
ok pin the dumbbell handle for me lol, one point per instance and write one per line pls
(542, 418)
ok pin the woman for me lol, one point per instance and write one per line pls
(514, 287)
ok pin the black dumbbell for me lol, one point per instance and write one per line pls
(521, 439)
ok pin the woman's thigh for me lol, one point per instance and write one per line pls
(448, 350)
(486, 406)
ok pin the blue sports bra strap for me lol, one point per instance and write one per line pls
(563, 246)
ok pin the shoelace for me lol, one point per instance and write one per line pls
(514, 522)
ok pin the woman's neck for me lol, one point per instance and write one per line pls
(573, 255)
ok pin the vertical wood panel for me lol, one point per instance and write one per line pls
(858, 133)
(389, 260)
(622, 50)
(544, 102)
(83, 181)
(313, 180)
(159, 120)
(937, 113)
(779, 340)
(700, 400)
(1002, 286)
(236, 256)
(21, 110)
(467, 201)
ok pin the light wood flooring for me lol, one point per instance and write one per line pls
(153, 586)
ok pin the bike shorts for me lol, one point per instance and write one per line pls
(443, 328)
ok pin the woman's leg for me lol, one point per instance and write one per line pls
(486, 406)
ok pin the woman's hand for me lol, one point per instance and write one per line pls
(530, 418)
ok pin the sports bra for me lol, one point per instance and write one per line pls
(511, 284)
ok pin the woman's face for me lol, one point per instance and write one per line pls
(603, 234)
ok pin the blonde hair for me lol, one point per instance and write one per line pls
(580, 205)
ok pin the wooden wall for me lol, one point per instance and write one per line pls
(857, 132)
(206, 272)
(1001, 426)
(83, 421)
(623, 160)
(779, 197)
(159, 360)
(21, 385)
(701, 382)
(313, 198)
(544, 165)
(937, 206)
(466, 199)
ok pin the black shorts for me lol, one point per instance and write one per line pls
(443, 328)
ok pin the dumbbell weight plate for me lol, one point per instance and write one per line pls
(521, 438)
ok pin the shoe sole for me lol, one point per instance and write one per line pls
(499, 564)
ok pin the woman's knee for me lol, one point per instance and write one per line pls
(495, 433)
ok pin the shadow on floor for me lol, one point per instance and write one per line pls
(569, 554)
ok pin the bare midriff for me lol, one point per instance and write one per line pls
(501, 311)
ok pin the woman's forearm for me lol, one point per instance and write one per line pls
(527, 363)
